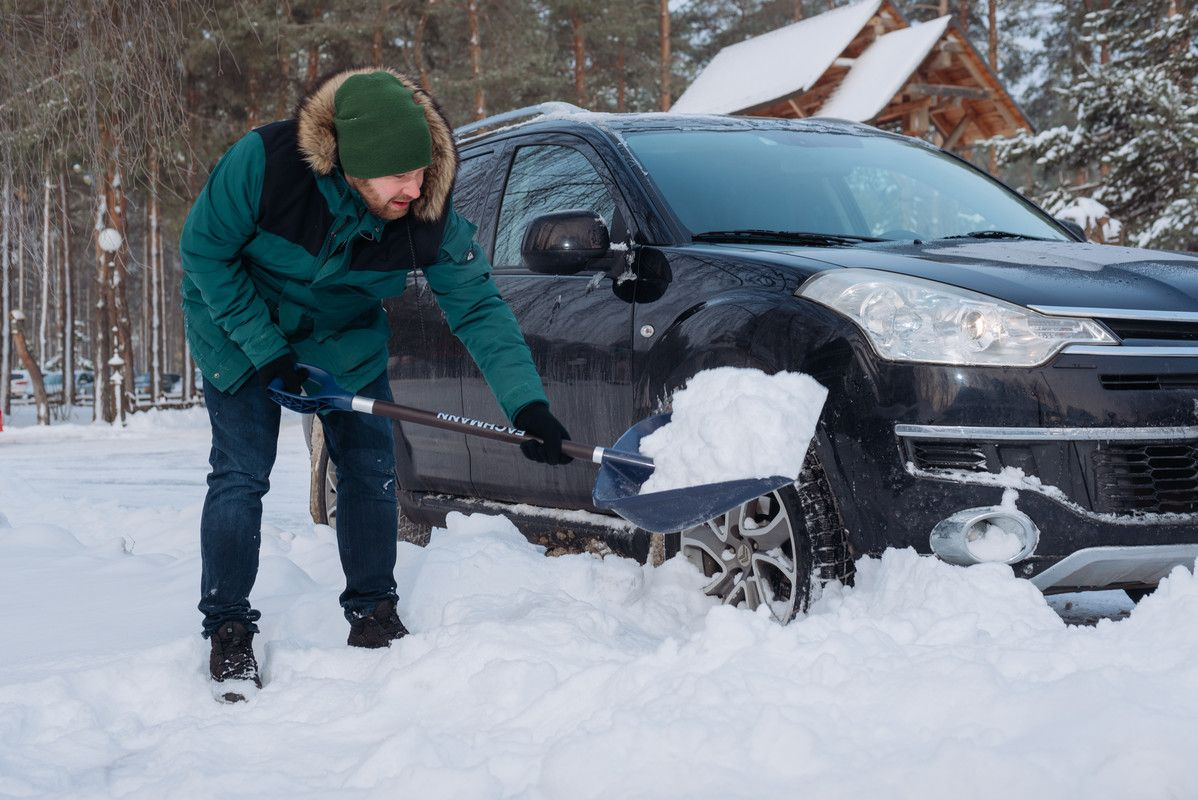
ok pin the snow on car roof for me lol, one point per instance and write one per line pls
(626, 123)
(618, 124)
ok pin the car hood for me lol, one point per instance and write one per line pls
(1071, 274)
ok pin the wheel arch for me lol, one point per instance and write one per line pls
(716, 333)
(760, 330)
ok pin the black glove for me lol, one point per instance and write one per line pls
(283, 367)
(535, 420)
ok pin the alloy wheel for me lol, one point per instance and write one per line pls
(756, 554)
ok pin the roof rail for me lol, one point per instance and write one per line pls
(539, 110)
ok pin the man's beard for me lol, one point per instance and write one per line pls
(379, 206)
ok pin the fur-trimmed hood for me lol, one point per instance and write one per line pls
(318, 140)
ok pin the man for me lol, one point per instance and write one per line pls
(302, 228)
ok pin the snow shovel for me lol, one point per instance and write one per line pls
(622, 469)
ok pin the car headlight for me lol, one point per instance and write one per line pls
(911, 319)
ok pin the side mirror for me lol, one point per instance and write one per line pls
(564, 242)
(1074, 228)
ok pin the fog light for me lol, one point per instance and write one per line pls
(995, 534)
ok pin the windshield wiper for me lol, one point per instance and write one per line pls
(789, 237)
(996, 235)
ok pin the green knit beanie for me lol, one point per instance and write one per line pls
(381, 129)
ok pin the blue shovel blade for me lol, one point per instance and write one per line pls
(618, 486)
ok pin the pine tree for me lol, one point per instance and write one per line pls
(1135, 139)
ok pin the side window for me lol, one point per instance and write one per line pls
(471, 186)
(544, 179)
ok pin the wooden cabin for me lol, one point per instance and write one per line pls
(863, 62)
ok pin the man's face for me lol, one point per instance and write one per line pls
(390, 196)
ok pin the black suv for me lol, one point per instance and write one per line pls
(999, 389)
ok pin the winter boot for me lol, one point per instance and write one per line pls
(233, 659)
(378, 628)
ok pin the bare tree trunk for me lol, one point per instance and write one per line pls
(43, 321)
(964, 14)
(580, 59)
(251, 116)
(160, 306)
(1178, 8)
(66, 299)
(189, 387)
(194, 185)
(119, 300)
(117, 351)
(151, 307)
(5, 292)
(102, 405)
(281, 96)
(20, 249)
(476, 60)
(992, 21)
(35, 371)
(992, 31)
(798, 11)
(622, 80)
(1087, 52)
(943, 7)
(313, 56)
(1104, 49)
(418, 45)
(664, 27)
(143, 319)
(376, 45)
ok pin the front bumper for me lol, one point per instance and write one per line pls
(1134, 487)
(1106, 470)
(1116, 567)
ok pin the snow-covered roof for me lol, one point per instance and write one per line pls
(880, 72)
(775, 64)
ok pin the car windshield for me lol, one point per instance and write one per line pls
(731, 181)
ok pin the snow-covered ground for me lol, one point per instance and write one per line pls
(527, 676)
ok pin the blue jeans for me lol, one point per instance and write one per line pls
(245, 433)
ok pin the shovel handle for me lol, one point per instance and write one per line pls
(487, 430)
(329, 395)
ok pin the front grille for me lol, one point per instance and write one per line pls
(932, 455)
(1153, 329)
(1147, 478)
(1125, 383)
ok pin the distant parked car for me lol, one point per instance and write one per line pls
(85, 383)
(20, 385)
(167, 382)
(53, 383)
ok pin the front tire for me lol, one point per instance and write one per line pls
(778, 550)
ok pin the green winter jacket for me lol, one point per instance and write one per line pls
(279, 251)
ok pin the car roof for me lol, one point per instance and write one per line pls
(562, 117)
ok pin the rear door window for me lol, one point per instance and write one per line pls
(473, 188)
